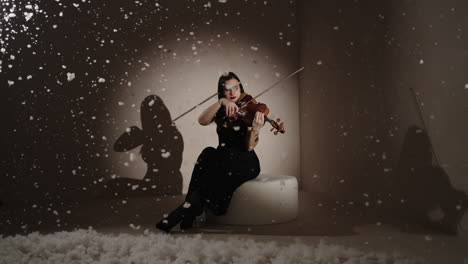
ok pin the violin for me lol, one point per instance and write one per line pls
(248, 106)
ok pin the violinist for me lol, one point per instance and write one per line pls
(218, 172)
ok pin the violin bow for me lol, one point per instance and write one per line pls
(202, 102)
(276, 83)
(278, 127)
(186, 112)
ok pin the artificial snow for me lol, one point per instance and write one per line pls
(165, 154)
(27, 15)
(89, 246)
(70, 76)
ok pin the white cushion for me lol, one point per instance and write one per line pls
(267, 199)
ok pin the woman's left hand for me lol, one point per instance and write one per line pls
(258, 121)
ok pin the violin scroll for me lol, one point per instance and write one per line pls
(278, 125)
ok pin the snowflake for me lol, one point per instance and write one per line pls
(70, 76)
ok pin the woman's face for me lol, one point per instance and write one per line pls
(232, 90)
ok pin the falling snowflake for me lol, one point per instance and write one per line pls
(165, 154)
(70, 76)
(27, 15)
(9, 16)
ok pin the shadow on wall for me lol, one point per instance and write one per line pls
(428, 197)
(161, 149)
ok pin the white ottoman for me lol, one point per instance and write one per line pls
(267, 199)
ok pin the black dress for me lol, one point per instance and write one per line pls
(219, 171)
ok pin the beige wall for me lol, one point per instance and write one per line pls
(432, 59)
(361, 58)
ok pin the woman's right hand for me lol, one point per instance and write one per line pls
(231, 107)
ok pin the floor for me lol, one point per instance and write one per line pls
(361, 227)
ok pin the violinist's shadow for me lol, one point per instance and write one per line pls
(427, 198)
(161, 149)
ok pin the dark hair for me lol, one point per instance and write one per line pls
(226, 77)
(222, 79)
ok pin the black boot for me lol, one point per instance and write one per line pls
(187, 223)
(185, 213)
(167, 223)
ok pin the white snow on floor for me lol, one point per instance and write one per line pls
(89, 246)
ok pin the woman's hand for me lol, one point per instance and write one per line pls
(231, 107)
(259, 121)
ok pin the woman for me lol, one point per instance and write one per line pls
(219, 172)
